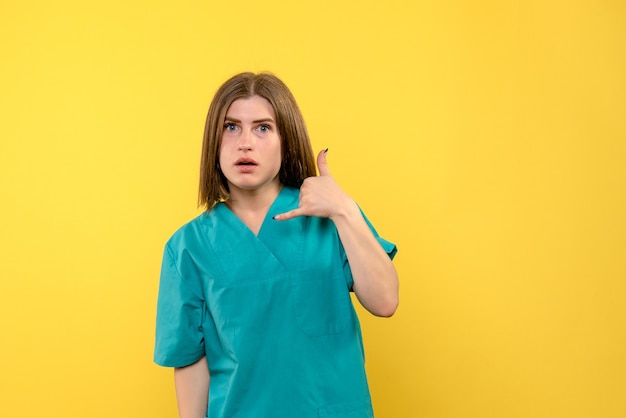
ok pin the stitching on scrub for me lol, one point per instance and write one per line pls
(215, 263)
(170, 255)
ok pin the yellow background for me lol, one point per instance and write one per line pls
(486, 138)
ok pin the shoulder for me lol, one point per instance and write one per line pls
(190, 232)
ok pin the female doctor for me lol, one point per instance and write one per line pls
(254, 310)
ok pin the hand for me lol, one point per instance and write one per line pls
(320, 196)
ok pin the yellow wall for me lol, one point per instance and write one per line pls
(487, 138)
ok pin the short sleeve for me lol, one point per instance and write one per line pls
(389, 247)
(180, 310)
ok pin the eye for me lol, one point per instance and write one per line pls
(264, 128)
(230, 127)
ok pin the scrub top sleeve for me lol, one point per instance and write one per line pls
(389, 247)
(179, 335)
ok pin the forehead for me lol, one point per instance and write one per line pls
(252, 107)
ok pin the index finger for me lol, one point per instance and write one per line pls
(288, 215)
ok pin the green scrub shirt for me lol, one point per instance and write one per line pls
(272, 313)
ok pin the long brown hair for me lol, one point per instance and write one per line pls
(297, 155)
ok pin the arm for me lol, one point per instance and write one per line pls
(375, 277)
(192, 389)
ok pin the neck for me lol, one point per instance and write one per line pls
(251, 207)
(253, 201)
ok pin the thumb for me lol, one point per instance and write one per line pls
(322, 165)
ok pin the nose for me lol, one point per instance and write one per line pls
(246, 141)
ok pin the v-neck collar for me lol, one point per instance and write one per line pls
(277, 245)
(283, 202)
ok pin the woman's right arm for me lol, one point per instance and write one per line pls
(192, 389)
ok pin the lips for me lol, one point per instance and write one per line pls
(245, 162)
(245, 165)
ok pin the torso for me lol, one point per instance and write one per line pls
(277, 314)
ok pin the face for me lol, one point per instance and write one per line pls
(250, 152)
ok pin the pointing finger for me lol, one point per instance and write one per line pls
(288, 215)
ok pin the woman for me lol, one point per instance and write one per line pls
(254, 311)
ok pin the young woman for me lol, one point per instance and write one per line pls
(254, 309)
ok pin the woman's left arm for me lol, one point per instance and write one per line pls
(375, 277)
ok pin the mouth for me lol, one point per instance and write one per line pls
(243, 162)
(245, 165)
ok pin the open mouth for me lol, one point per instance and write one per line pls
(245, 165)
(242, 162)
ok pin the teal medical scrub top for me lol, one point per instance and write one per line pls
(272, 313)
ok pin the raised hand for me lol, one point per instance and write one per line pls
(375, 278)
(320, 196)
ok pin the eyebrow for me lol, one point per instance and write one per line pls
(254, 121)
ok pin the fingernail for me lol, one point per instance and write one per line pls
(326, 150)
(274, 217)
